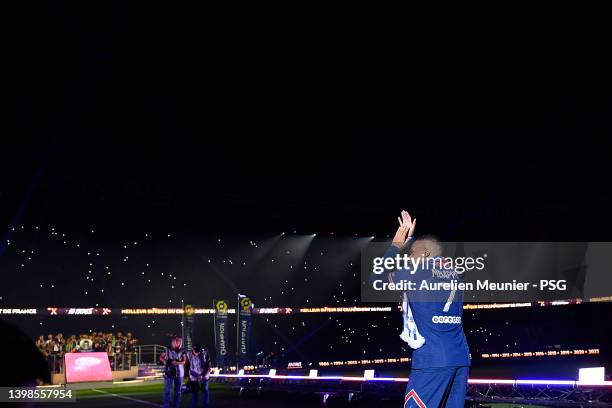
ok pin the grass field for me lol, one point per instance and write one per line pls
(143, 395)
(222, 396)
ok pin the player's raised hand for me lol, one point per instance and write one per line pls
(405, 230)
(411, 223)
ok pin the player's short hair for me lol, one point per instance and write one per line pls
(432, 243)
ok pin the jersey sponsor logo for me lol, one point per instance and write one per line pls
(412, 394)
(446, 319)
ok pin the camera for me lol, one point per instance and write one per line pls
(171, 370)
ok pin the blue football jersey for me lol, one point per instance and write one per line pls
(438, 317)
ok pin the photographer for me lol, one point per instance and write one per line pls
(199, 373)
(174, 360)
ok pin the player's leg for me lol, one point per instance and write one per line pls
(168, 382)
(195, 390)
(178, 382)
(456, 397)
(205, 394)
(428, 387)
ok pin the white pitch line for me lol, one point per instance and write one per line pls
(128, 398)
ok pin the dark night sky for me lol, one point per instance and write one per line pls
(133, 120)
(136, 121)
(153, 119)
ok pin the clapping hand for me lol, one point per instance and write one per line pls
(405, 230)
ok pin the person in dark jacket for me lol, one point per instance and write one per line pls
(199, 373)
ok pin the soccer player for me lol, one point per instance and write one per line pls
(432, 326)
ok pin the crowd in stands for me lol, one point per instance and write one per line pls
(121, 349)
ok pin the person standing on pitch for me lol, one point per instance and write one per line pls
(432, 325)
(174, 361)
(200, 368)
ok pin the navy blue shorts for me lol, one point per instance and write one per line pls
(437, 387)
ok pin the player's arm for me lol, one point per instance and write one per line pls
(162, 357)
(209, 364)
(403, 239)
(404, 236)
